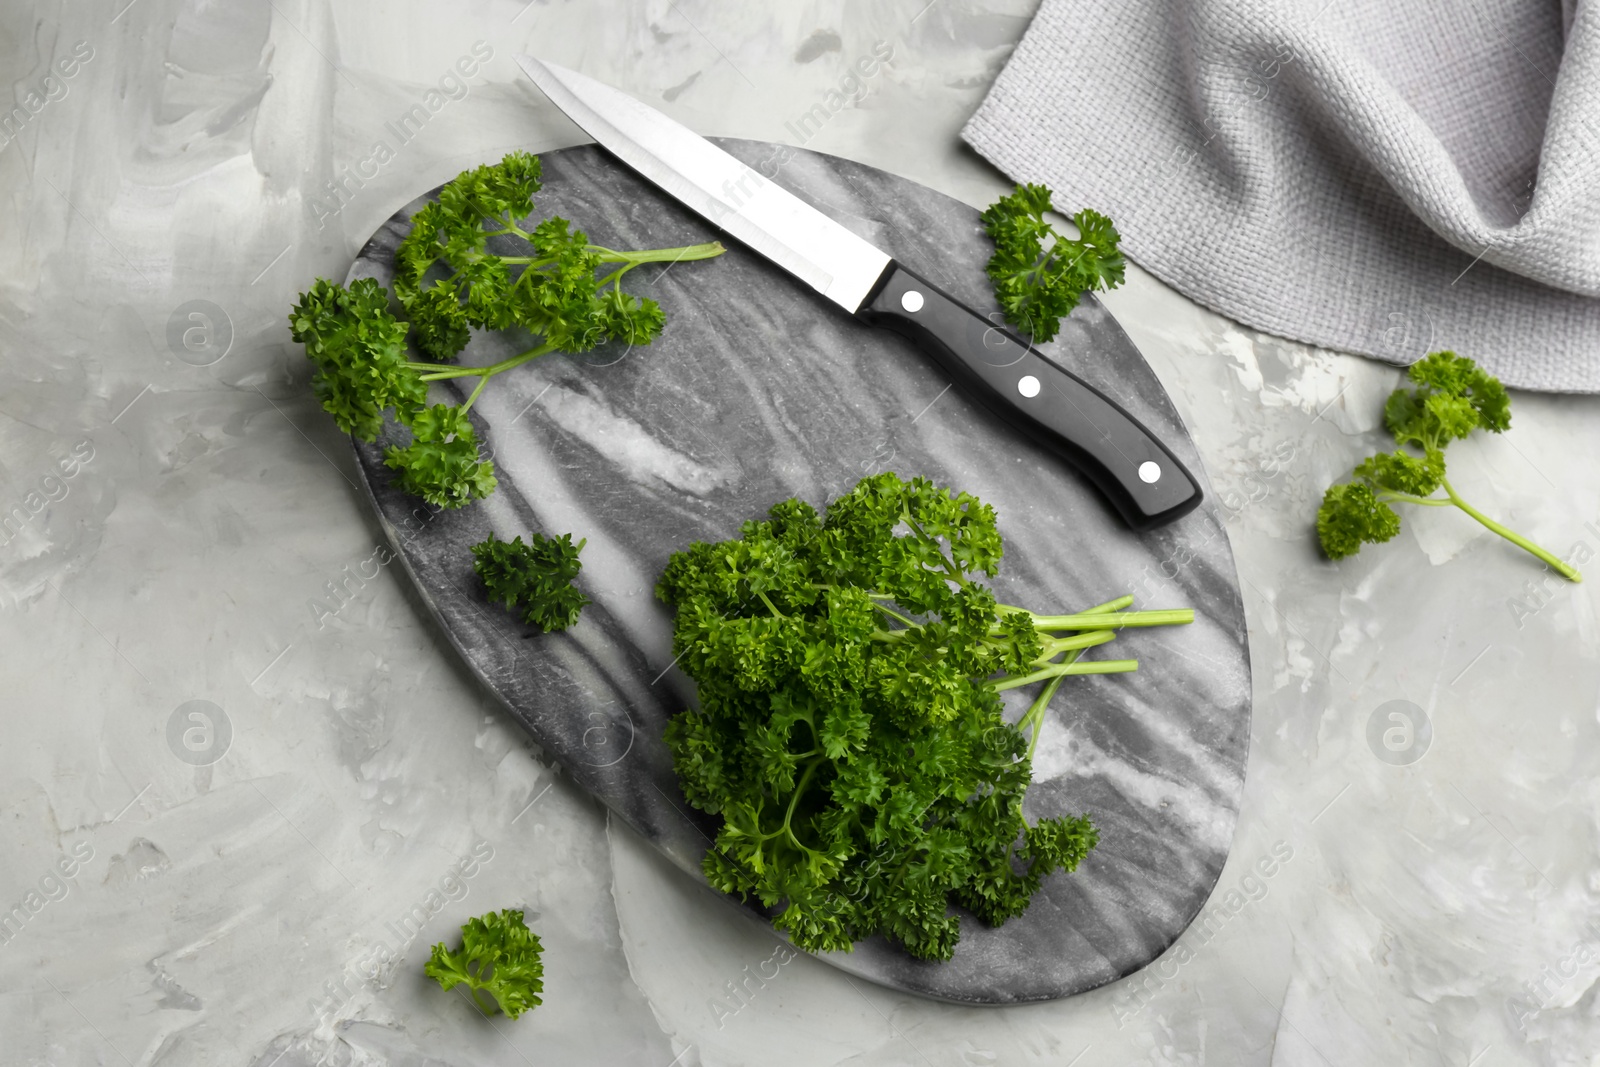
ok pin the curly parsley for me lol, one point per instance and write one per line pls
(499, 961)
(1038, 286)
(536, 577)
(545, 281)
(849, 728)
(1451, 397)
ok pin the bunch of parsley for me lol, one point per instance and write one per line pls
(1039, 285)
(543, 282)
(849, 728)
(1452, 397)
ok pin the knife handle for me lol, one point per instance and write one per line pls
(1142, 479)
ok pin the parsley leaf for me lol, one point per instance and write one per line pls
(1451, 396)
(500, 957)
(467, 263)
(537, 577)
(849, 727)
(1038, 286)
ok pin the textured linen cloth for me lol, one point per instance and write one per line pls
(1379, 177)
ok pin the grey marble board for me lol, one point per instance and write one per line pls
(759, 390)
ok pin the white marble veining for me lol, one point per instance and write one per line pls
(266, 907)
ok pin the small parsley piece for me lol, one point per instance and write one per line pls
(849, 725)
(498, 960)
(467, 263)
(1038, 286)
(1451, 396)
(441, 464)
(536, 577)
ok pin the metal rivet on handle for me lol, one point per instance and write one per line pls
(1028, 385)
(911, 300)
(1149, 471)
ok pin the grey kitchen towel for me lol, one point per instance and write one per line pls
(1378, 177)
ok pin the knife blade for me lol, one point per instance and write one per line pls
(1138, 474)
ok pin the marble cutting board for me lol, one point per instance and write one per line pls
(759, 390)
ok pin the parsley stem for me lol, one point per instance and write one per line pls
(483, 381)
(1407, 498)
(440, 374)
(1034, 717)
(509, 225)
(1560, 566)
(1097, 666)
(799, 788)
(1035, 713)
(1034, 271)
(1083, 640)
(659, 255)
(1110, 605)
(1114, 620)
(896, 615)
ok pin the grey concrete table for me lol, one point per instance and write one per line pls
(244, 786)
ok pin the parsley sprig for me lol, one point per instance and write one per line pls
(849, 728)
(499, 962)
(1039, 285)
(545, 281)
(1451, 397)
(536, 577)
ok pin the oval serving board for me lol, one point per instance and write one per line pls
(759, 390)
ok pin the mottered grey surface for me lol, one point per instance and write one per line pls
(759, 390)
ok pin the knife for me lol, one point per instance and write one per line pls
(1139, 475)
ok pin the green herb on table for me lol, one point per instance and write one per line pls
(1038, 285)
(849, 728)
(441, 463)
(498, 961)
(536, 577)
(554, 286)
(1451, 397)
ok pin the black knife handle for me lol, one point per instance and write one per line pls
(1142, 479)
